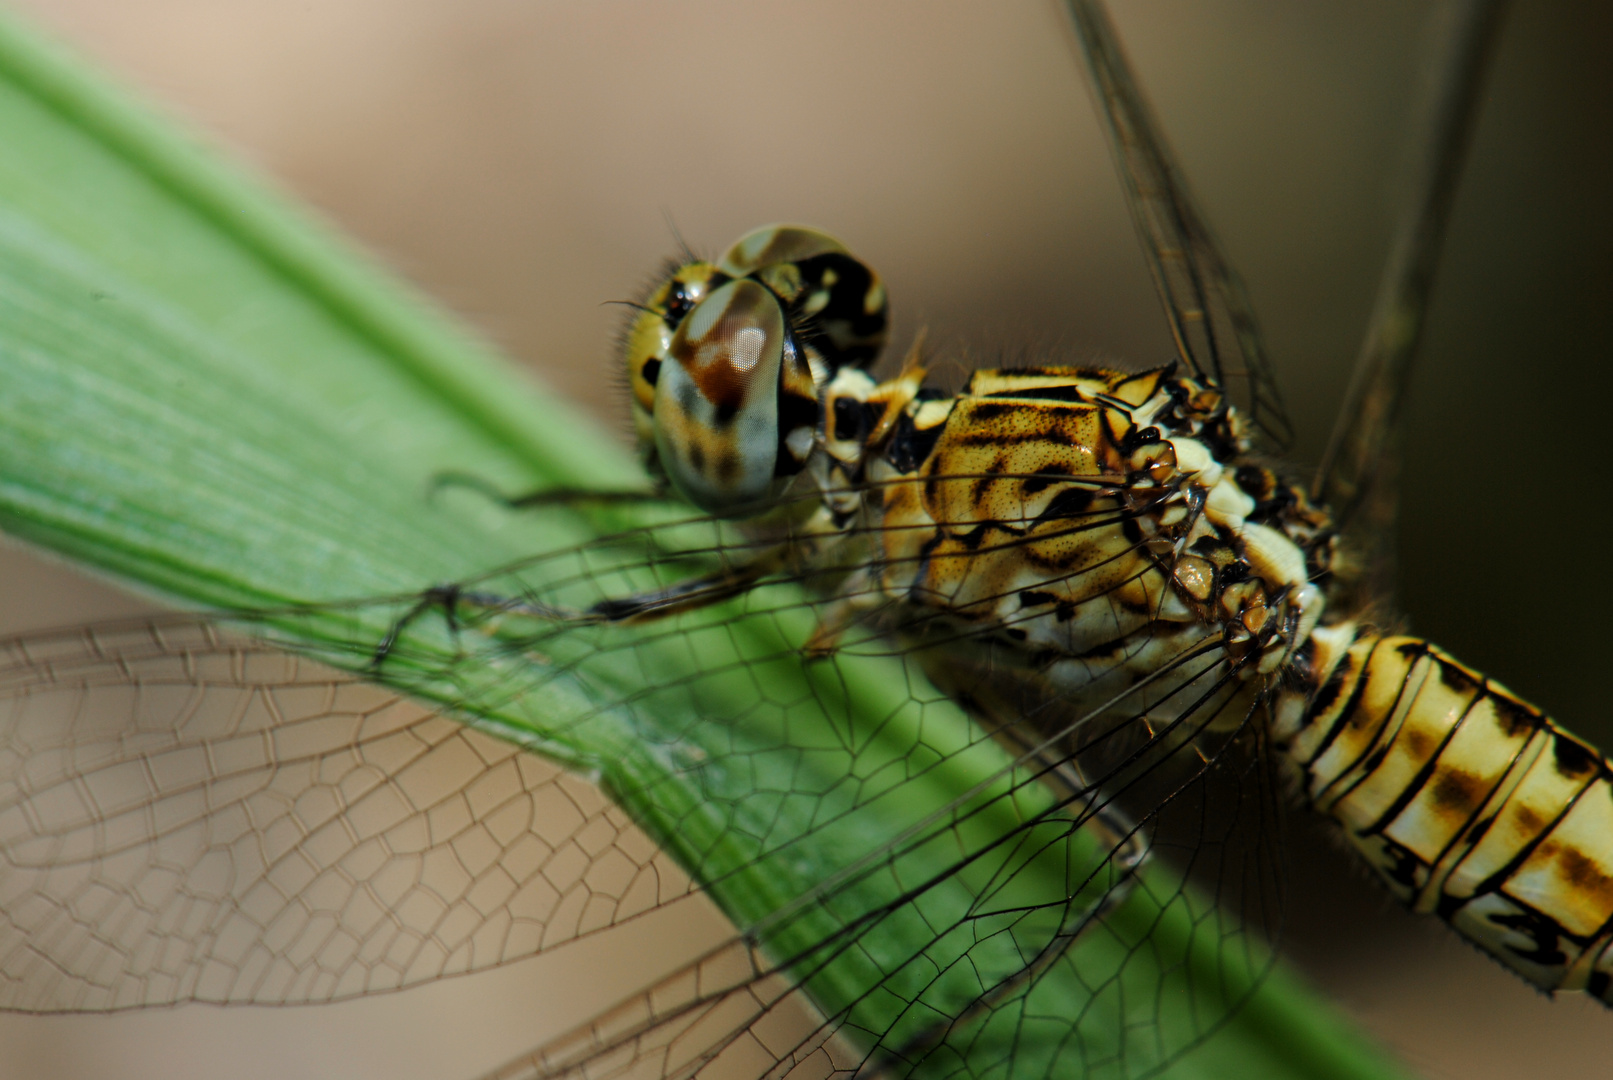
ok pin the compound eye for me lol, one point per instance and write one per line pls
(773, 244)
(716, 400)
(647, 336)
(836, 302)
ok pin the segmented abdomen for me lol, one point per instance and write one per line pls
(1470, 803)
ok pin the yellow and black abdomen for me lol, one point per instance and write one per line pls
(1469, 803)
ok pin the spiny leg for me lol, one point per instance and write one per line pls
(1081, 799)
(1128, 850)
(690, 594)
(555, 496)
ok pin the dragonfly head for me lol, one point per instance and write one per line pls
(728, 362)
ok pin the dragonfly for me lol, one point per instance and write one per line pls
(166, 650)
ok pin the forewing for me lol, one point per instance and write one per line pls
(1006, 934)
(921, 885)
(187, 817)
(1358, 475)
(1205, 301)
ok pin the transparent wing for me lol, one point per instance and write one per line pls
(1205, 301)
(188, 818)
(935, 853)
(1047, 945)
(1357, 476)
(958, 876)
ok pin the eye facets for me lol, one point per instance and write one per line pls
(729, 362)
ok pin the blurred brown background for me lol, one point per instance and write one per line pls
(518, 160)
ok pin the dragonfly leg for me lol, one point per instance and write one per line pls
(555, 496)
(445, 597)
(1128, 846)
(687, 595)
(1084, 801)
(1127, 851)
(855, 601)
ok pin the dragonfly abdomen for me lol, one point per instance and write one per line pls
(1468, 802)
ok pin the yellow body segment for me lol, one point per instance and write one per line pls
(1468, 802)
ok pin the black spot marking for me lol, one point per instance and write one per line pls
(1597, 985)
(1419, 743)
(651, 371)
(1459, 681)
(974, 537)
(1042, 393)
(1542, 931)
(1043, 477)
(979, 490)
(1403, 865)
(1112, 647)
(989, 412)
(1217, 438)
(850, 417)
(1275, 508)
(911, 445)
(843, 331)
(1035, 598)
(725, 413)
(1573, 758)
(1049, 434)
(1514, 717)
(1257, 483)
(1072, 502)
(796, 411)
(1137, 438)
(1530, 823)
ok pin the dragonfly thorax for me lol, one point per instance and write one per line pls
(1087, 517)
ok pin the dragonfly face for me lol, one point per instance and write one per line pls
(728, 363)
(720, 234)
